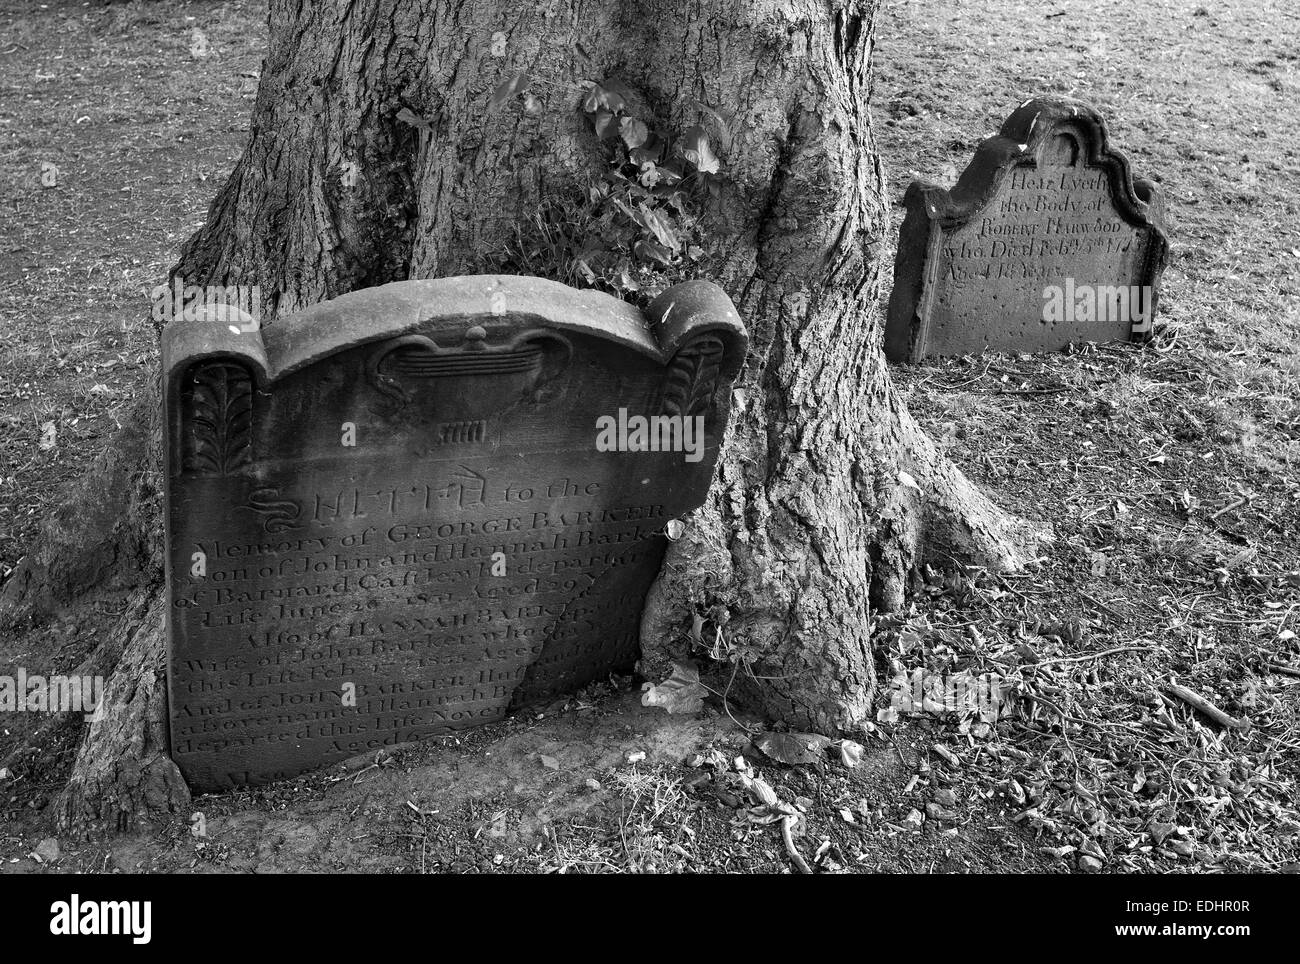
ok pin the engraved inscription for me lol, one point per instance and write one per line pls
(378, 592)
(1048, 225)
(1045, 240)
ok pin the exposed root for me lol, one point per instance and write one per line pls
(105, 531)
(931, 513)
(122, 775)
(767, 585)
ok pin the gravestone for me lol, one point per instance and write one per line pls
(1045, 240)
(417, 507)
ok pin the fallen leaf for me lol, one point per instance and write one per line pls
(682, 692)
(947, 754)
(850, 752)
(761, 791)
(794, 749)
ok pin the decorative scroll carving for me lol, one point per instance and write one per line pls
(277, 514)
(526, 368)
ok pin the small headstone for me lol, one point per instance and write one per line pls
(1045, 240)
(415, 508)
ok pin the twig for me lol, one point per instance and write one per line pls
(1085, 658)
(786, 823)
(1234, 504)
(1097, 602)
(1197, 701)
(1034, 391)
(1284, 669)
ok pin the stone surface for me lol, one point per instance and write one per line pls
(48, 850)
(389, 516)
(1045, 240)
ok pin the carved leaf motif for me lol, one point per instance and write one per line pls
(692, 377)
(219, 419)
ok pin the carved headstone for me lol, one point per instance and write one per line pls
(416, 507)
(1046, 239)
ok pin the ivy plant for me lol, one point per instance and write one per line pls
(636, 230)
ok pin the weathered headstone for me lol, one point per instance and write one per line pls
(1046, 239)
(416, 507)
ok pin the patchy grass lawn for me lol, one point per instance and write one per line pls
(1169, 473)
(140, 133)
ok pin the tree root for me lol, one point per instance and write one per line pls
(104, 531)
(122, 775)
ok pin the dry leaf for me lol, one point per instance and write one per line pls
(850, 753)
(794, 749)
(682, 692)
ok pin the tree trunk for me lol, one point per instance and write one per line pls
(376, 156)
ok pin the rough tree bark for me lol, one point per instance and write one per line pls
(827, 496)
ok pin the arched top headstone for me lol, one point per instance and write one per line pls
(412, 508)
(1046, 239)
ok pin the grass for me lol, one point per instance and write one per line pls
(141, 133)
(1169, 473)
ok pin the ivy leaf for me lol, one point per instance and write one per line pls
(673, 170)
(661, 227)
(650, 251)
(605, 127)
(634, 132)
(648, 153)
(624, 278)
(601, 97)
(634, 215)
(696, 149)
(665, 180)
(512, 85)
